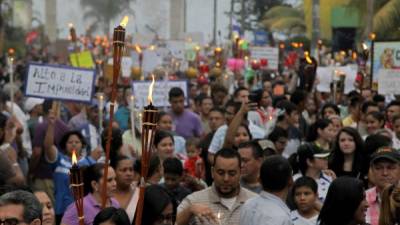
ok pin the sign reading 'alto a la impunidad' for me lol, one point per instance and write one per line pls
(60, 82)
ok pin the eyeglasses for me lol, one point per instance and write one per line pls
(10, 221)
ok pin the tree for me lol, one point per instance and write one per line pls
(284, 19)
(104, 11)
(385, 17)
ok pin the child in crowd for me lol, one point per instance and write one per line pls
(305, 195)
(173, 174)
(194, 164)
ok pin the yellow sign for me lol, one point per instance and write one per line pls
(82, 59)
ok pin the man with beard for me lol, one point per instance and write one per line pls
(223, 200)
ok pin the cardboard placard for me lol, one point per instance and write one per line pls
(60, 82)
(140, 90)
(82, 59)
(269, 53)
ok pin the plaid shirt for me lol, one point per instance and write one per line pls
(372, 215)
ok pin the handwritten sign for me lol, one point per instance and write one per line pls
(59, 82)
(389, 81)
(269, 53)
(160, 93)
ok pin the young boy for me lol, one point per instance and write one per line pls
(173, 174)
(193, 164)
(396, 129)
(305, 195)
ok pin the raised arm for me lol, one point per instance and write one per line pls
(234, 125)
(50, 149)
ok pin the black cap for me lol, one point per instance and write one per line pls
(387, 153)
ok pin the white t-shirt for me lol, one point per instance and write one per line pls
(297, 219)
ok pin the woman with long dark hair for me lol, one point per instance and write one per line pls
(348, 157)
(345, 203)
(158, 207)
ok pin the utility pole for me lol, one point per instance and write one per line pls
(51, 19)
(370, 17)
(214, 41)
(315, 27)
(231, 20)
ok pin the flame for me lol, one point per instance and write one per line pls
(308, 59)
(197, 48)
(124, 21)
(307, 56)
(138, 49)
(364, 46)
(372, 36)
(218, 49)
(152, 47)
(150, 96)
(74, 159)
(132, 98)
(354, 55)
(70, 25)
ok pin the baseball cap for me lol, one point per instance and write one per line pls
(30, 103)
(387, 153)
(319, 152)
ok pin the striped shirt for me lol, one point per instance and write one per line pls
(210, 197)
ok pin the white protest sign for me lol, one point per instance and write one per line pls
(269, 53)
(160, 92)
(388, 81)
(151, 60)
(325, 76)
(126, 65)
(60, 82)
(177, 48)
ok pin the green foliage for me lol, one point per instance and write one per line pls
(284, 19)
(387, 19)
(105, 10)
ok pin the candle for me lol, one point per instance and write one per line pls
(101, 108)
(132, 115)
(11, 72)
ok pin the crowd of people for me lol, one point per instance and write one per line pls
(261, 152)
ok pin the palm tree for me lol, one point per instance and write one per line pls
(104, 11)
(284, 19)
(385, 16)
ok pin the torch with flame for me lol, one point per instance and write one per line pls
(76, 185)
(118, 46)
(149, 125)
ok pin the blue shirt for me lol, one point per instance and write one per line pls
(265, 209)
(62, 192)
(122, 117)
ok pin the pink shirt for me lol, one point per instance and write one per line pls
(372, 215)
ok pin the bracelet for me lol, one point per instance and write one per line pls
(15, 164)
